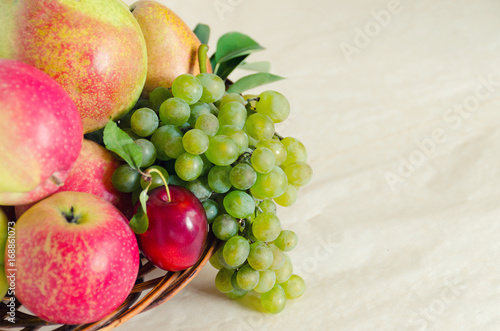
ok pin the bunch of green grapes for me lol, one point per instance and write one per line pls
(224, 148)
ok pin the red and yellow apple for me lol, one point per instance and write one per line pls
(94, 49)
(92, 173)
(76, 258)
(172, 47)
(40, 134)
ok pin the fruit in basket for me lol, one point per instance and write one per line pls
(92, 173)
(40, 134)
(94, 49)
(171, 45)
(76, 258)
(177, 230)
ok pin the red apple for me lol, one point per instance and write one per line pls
(94, 49)
(92, 173)
(76, 258)
(40, 134)
(177, 230)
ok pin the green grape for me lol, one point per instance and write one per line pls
(158, 96)
(124, 121)
(207, 123)
(288, 198)
(273, 301)
(225, 226)
(148, 152)
(236, 250)
(161, 136)
(239, 204)
(242, 176)
(213, 87)
(286, 270)
(143, 103)
(188, 166)
(233, 113)
(295, 150)
(220, 258)
(231, 97)
(267, 279)
(286, 241)
(211, 210)
(247, 278)
(278, 257)
(222, 150)
(294, 287)
(268, 205)
(274, 105)
(195, 141)
(144, 122)
(237, 291)
(199, 187)
(214, 261)
(252, 103)
(263, 160)
(237, 135)
(173, 147)
(218, 178)
(175, 180)
(260, 257)
(298, 173)
(277, 147)
(223, 280)
(131, 133)
(156, 180)
(174, 111)
(206, 165)
(197, 110)
(259, 126)
(270, 185)
(266, 227)
(126, 179)
(187, 87)
(252, 142)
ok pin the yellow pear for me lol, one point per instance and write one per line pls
(172, 47)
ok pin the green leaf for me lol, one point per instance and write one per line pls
(251, 81)
(234, 44)
(261, 66)
(225, 68)
(202, 31)
(116, 140)
(139, 223)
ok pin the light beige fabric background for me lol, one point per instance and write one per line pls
(398, 103)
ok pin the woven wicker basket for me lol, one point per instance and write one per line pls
(156, 291)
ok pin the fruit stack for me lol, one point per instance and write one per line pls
(123, 143)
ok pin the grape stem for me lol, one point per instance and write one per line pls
(202, 57)
(153, 170)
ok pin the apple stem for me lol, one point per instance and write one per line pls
(202, 57)
(163, 179)
(70, 217)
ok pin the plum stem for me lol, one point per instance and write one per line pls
(163, 179)
(202, 57)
